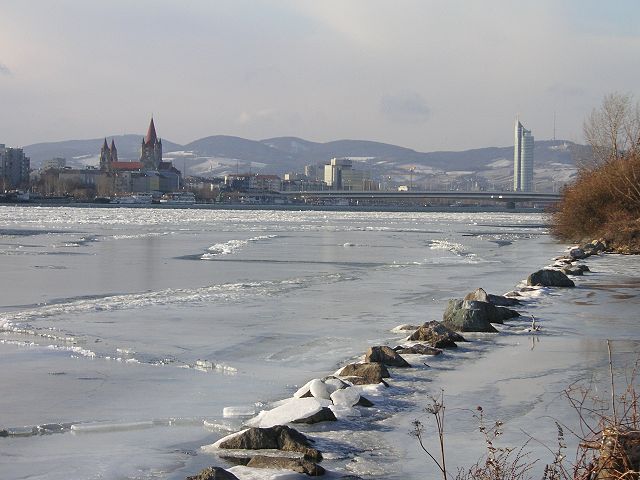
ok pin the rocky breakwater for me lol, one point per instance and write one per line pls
(270, 440)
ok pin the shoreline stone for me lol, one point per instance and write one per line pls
(437, 335)
(370, 373)
(550, 278)
(386, 356)
(213, 473)
(279, 437)
(293, 464)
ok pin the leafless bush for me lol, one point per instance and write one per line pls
(607, 430)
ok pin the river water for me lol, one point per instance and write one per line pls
(125, 332)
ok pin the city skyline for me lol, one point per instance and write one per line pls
(402, 73)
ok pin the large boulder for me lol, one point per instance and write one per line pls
(437, 335)
(283, 463)
(279, 437)
(578, 253)
(370, 373)
(346, 397)
(550, 278)
(468, 316)
(213, 473)
(475, 316)
(386, 356)
(418, 349)
(289, 411)
(482, 311)
(480, 295)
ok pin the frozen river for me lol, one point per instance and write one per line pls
(138, 326)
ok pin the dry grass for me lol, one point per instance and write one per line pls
(603, 203)
(607, 430)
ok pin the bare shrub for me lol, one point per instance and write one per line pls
(607, 430)
(602, 203)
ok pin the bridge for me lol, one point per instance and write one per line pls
(506, 197)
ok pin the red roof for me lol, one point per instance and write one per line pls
(127, 166)
(151, 134)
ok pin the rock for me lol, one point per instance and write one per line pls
(419, 349)
(213, 473)
(361, 381)
(582, 267)
(437, 335)
(577, 253)
(512, 294)
(347, 397)
(475, 316)
(279, 437)
(550, 278)
(571, 270)
(494, 313)
(479, 295)
(504, 300)
(528, 289)
(324, 415)
(468, 316)
(564, 259)
(386, 356)
(281, 463)
(364, 402)
(404, 328)
(370, 373)
(319, 390)
(335, 382)
(288, 411)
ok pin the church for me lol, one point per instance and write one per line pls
(148, 174)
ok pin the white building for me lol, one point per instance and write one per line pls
(522, 159)
(340, 175)
(57, 163)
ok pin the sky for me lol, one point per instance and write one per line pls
(428, 75)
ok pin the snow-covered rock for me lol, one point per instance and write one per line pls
(294, 409)
(347, 397)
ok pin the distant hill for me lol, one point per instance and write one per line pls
(490, 167)
(77, 151)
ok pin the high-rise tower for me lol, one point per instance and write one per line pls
(522, 159)
(151, 150)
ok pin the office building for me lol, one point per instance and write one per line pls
(522, 159)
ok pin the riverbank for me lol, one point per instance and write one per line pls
(364, 427)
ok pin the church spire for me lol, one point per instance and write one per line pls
(151, 137)
(113, 151)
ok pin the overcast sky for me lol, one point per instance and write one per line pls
(429, 75)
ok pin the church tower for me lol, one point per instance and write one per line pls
(108, 155)
(105, 157)
(113, 151)
(151, 150)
